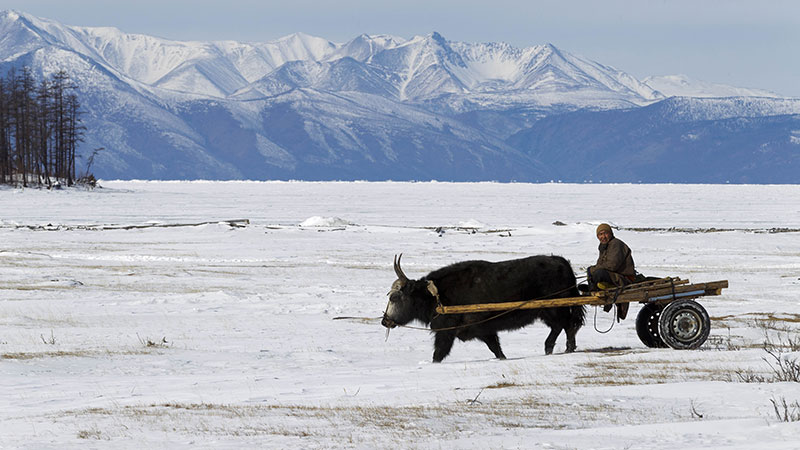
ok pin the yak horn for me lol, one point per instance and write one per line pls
(398, 270)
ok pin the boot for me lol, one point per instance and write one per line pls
(622, 311)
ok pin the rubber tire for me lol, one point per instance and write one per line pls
(684, 325)
(647, 326)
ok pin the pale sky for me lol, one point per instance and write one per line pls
(744, 43)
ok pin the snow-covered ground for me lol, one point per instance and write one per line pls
(130, 318)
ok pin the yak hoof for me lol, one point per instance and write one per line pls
(571, 346)
(548, 350)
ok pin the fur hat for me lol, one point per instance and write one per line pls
(604, 227)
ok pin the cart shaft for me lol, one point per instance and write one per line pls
(664, 292)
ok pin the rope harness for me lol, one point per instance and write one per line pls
(613, 302)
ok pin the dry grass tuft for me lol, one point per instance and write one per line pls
(69, 354)
(780, 342)
(786, 412)
(757, 318)
(502, 384)
(784, 317)
(90, 434)
(644, 371)
(339, 423)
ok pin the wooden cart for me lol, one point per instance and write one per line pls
(670, 316)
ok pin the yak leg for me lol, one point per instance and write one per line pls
(493, 343)
(442, 345)
(571, 332)
(574, 324)
(550, 342)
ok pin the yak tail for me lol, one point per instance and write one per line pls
(577, 315)
(578, 312)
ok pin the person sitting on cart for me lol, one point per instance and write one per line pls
(614, 268)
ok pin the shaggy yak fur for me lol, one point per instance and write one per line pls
(472, 282)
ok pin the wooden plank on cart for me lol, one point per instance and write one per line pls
(656, 292)
(662, 293)
(667, 282)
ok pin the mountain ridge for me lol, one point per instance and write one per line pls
(154, 61)
(375, 107)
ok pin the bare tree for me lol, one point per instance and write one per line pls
(5, 139)
(40, 128)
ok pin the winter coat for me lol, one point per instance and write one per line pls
(616, 258)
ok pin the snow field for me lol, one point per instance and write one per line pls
(224, 337)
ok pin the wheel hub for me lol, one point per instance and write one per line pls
(686, 325)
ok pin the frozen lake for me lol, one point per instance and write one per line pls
(133, 316)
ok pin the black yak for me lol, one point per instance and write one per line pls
(472, 282)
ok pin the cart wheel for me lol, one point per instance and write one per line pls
(647, 325)
(684, 324)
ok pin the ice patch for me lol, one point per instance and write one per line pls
(318, 221)
(471, 223)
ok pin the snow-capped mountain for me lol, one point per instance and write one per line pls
(684, 86)
(376, 107)
(420, 68)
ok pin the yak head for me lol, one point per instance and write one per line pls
(408, 299)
